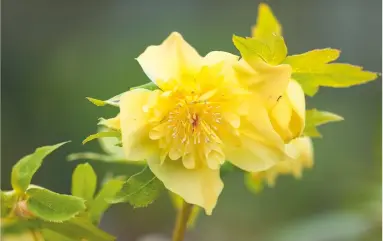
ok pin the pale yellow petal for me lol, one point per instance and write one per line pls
(135, 126)
(216, 57)
(305, 149)
(270, 82)
(297, 100)
(281, 116)
(200, 186)
(253, 155)
(170, 60)
(112, 123)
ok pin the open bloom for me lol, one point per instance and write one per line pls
(199, 117)
(301, 156)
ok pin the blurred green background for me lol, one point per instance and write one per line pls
(55, 53)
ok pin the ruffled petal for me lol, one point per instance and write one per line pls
(296, 97)
(200, 186)
(111, 123)
(170, 60)
(269, 81)
(216, 57)
(135, 127)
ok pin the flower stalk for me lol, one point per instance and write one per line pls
(182, 221)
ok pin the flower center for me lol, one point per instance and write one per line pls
(190, 132)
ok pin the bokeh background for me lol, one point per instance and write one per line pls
(55, 53)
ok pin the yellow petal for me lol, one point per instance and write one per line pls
(267, 80)
(297, 99)
(305, 149)
(259, 147)
(281, 117)
(216, 57)
(169, 60)
(200, 186)
(135, 126)
(112, 123)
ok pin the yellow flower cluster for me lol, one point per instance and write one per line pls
(208, 110)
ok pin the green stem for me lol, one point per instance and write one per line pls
(182, 221)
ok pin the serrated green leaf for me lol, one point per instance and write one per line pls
(27, 166)
(312, 70)
(316, 118)
(139, 190)
(252, 49)
(107, 192)
(8, 200)
(148, 86)
(335, 75)
(100, 135)
(78, 229)
(51, 206)
(267, 24)
(308, 60)
(253, 184)
(177, 202)
(84, 182)
(114, 101)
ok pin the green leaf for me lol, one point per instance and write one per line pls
(316, 118)
(177, 202)
(312, 58)
(148, 86)
(267, 24)
(139, 190)
(107, 192)
(313, 69)
(78, 229)
(334, 75)
(8, 200)
(102, 134)
(51, 206)
(84, 182)
(252, 49)
(114, 101)
(24, 169)
(253, 184)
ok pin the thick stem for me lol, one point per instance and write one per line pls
(182, 221)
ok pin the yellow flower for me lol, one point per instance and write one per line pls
(199, 117)
(301, 156)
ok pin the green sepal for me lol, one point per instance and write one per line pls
(101, 135)
(147, 86)
(114, 101)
